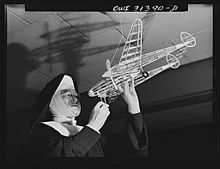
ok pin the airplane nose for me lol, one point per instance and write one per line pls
(91, 93)
(106, 74)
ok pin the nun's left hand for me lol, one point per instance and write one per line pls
(129, 94)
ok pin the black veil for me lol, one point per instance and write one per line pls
(45, 96)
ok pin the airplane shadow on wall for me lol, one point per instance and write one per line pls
(67, 46)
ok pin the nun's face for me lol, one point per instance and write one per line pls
(71, 99)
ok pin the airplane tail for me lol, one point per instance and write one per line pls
(188, 39)
(172, 59)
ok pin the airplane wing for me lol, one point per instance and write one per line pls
(132, 51)
(130, 60)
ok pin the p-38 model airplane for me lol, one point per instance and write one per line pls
(132, 62)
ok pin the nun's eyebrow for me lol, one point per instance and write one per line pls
(67, 90)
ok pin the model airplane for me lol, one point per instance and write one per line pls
(132, 62)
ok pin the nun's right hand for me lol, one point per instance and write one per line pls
(99, 115)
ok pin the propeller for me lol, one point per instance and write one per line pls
(108, 67)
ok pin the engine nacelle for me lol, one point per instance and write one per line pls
(172, 59)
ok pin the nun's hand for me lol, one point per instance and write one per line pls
(130, 96)
(99, 115)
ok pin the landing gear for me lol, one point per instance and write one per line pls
(144, 74)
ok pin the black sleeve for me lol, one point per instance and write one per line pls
(137, 133)
(132, 142)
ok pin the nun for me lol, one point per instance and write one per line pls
(56, 133)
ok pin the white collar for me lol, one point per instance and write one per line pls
(64, 129)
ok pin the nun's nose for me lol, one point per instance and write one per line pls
(74, 100)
